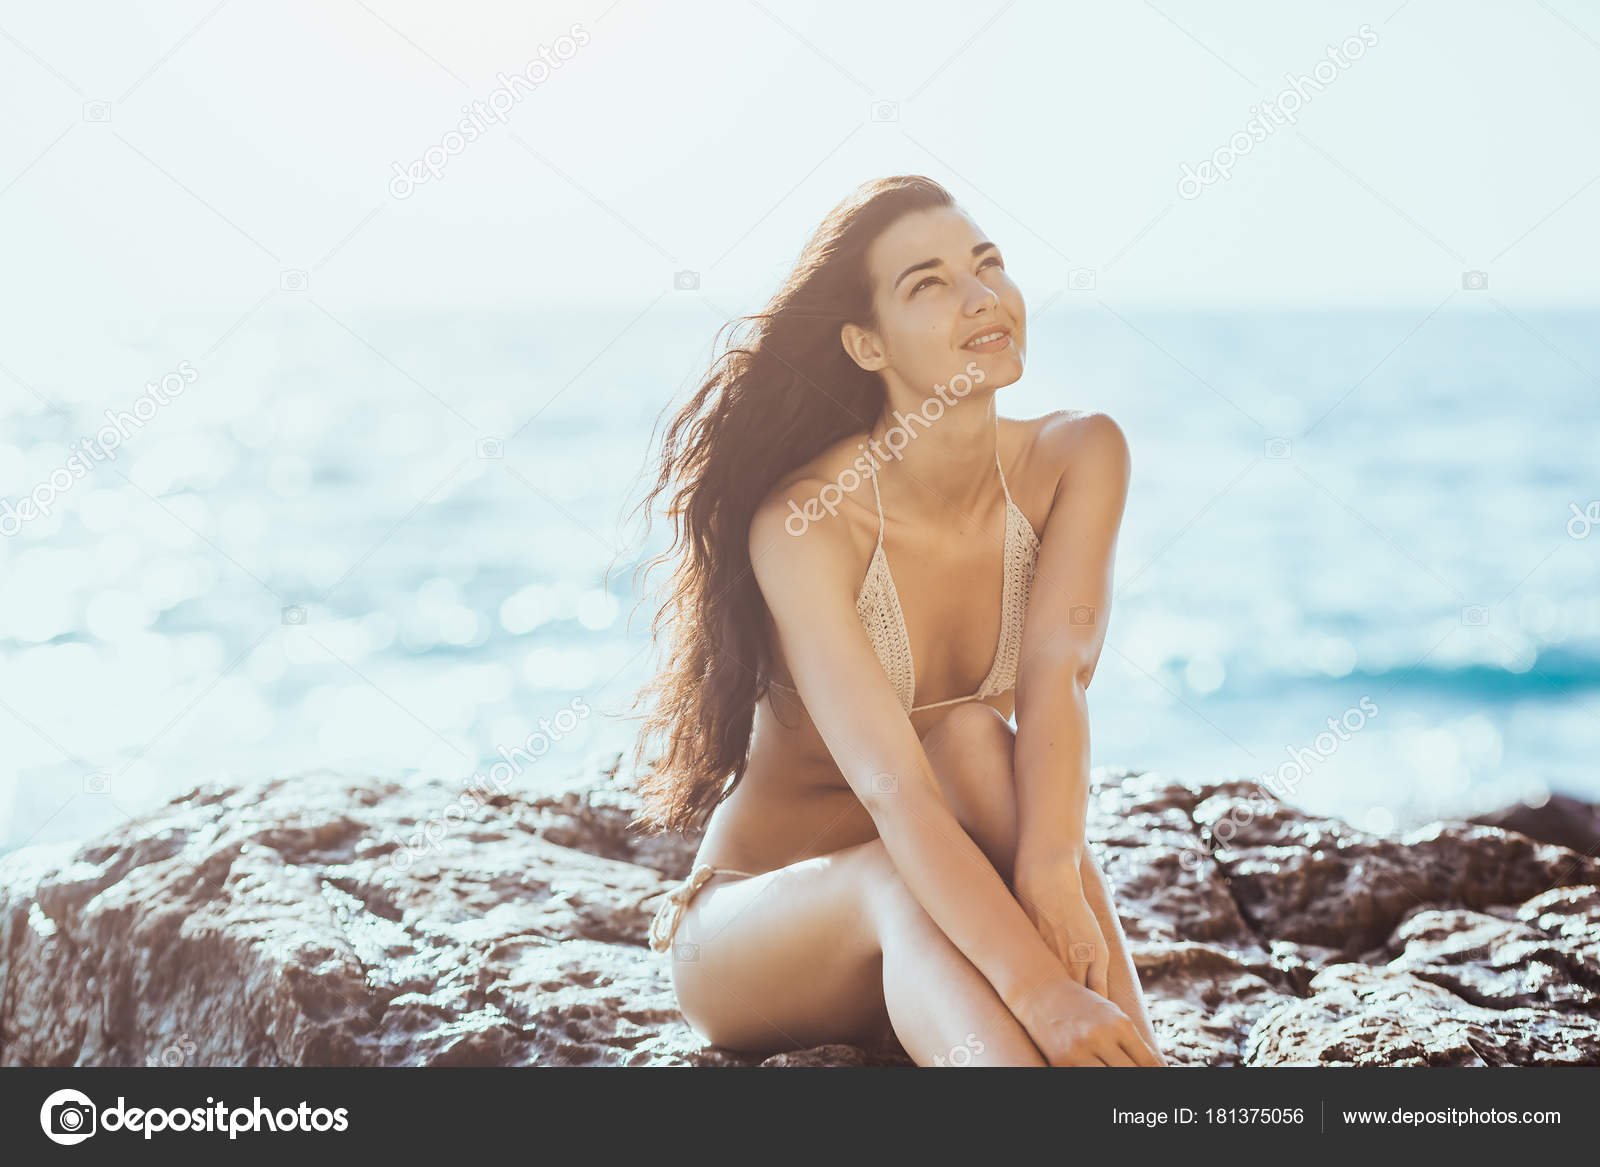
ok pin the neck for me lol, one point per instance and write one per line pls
(945, 462)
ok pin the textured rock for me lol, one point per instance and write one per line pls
(1358, 1015)
(326, 920)
(1562, 820)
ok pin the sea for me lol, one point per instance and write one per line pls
(1359, 558)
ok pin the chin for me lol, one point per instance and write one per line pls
(1002, 370)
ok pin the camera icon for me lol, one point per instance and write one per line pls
(1278, 448)
(688, 953)
(885, 111)
(294, 614)
(960, 1055)
(1189, 860)
(1475, 615)
(97, 111)
(1081, 279)
(74, 1119)
(686, 281)
(1082, 614)
(1475, 281)
(1583, 521)
(293, 280)
(97, 783)
(491, 448)
(885, 784)
(1083, 951)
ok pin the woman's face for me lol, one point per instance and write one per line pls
(938, 283)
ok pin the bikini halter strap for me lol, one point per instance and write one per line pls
(877, 498)
(997, 465)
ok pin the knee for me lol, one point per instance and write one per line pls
(972, 755)
(972, 733)
(971, 751)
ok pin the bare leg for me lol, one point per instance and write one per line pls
(971, 751)
(943, 1010)
(836, 949)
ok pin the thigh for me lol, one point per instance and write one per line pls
(787, 959)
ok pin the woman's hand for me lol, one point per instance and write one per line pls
(1051, 893)
(1073, 1026)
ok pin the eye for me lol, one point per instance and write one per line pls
(924, 282)
(994, 259)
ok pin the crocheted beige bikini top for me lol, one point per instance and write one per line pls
(878, 605)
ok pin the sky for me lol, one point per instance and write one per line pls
(210, 157)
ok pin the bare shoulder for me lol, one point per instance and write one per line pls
(816, 520)
(1067, 446)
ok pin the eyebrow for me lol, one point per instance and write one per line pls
(977, 250)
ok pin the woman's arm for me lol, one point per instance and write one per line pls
(1069, 607)
(809, 581)
(1068, 610)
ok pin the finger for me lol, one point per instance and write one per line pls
(1116, 1056)
(1099, 981)
(1141, 1053)
(1063, 953)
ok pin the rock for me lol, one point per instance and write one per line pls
(1562, 820)
(325, 920)
(1318, 881)
(1203, 1000)
(1498, 963)
(1358, 1015)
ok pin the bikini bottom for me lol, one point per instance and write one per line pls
(665, 924)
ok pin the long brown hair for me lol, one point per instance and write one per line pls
(782, 390)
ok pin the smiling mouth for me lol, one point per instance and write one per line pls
(989, 342)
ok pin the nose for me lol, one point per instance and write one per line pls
(980, 296)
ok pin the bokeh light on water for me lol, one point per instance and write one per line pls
(304, 562)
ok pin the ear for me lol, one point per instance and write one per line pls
(863, 347)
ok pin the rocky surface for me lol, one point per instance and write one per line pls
(321, 920)
(1559, 819)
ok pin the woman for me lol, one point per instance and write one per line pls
(883, 853)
